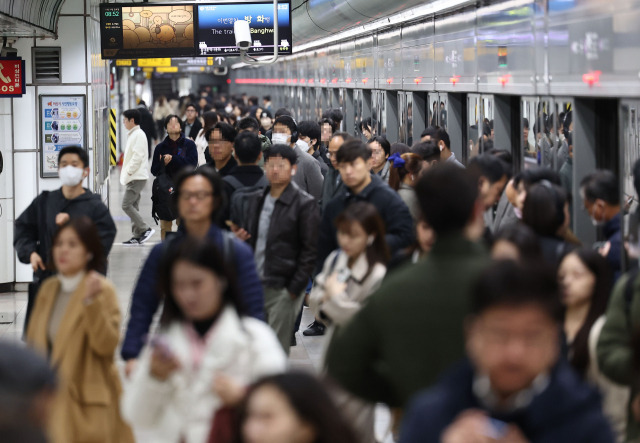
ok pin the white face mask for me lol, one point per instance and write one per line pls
(228, 109)
(597, 223)
(70, 175)
(303, 145)
(280, 139)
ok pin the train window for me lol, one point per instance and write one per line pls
(382, 113)
(479, 124)
(630, 139)
(357, 110)
(318, 104)
(409, 122)
(529, 119)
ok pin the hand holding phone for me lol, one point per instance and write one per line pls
(163, 361)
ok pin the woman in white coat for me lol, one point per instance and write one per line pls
(196, 370)
(349, 276)
(585, 279)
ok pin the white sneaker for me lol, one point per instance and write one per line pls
(147, 234)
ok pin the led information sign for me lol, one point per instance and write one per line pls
(215, 34)
(129, 31)
(135, 31)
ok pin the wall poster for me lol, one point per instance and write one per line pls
(63, 123)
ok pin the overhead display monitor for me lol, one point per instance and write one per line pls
(151, 30)
(215, 36)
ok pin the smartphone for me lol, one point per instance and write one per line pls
(343, 275)
(160, 343)
(497, 429)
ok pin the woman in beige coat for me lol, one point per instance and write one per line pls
(75, 323)
(349, 276)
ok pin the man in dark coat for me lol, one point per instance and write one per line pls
(36, 226)
(361, 185)
(409, 330)
(147, 124)
(332, 184)
(514, 387)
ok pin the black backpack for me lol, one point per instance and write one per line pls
(162, 198)
(239, 198)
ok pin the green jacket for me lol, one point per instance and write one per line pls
(411, 329)
(266, 144)
(615, 351)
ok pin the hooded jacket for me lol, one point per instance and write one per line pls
(567, 410)
(31, 235)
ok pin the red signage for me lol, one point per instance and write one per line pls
(12, 82)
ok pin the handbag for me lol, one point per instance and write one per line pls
(224, 425)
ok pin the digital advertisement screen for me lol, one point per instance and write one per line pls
(215, 35)
(151, 30)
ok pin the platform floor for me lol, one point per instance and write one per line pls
(125, 263)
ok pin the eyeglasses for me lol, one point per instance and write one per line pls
(199, 195)
(332, 154)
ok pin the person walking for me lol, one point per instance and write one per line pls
(134, 176)
(76, 324)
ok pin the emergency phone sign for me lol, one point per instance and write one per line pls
(12, 82)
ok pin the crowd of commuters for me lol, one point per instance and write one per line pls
(455, 294)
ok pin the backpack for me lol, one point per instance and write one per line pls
(162, 198)
(239, 198)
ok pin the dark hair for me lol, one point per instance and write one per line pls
(247, 147)
(524, 239)
(507, 283)
(525, 123)
(87, 233)
(442, 136)
(400, 148)
(253, 100)
(352, 150)
(383, 142)
(77, 150)
(429, 151)
(442, 212)
(412, 165)
(543, 209)
(168, 118)
(204, 254)
(603, 185)
(266, 113)
(505, 157)
(566, 122)
(267, 98)
(430, 131)
(636, 176)
(337, 116)
(311, 402)
(215, 180)
(282, 151)
(210, 119)
(329, 121)
(282, 111)
(367, 123)
(309, 129)
(344, 135)
(598, 266)
(132, 114)
(487, 166)
(250, 123)
(535, 175)
(227, 132)
(367, 215)
(192, 105)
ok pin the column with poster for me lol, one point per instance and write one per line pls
(62, 123)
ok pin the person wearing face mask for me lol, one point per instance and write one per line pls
(280, 224)
(266, 122)
(308, 176)
(600, 193)
(441, 138)
(309, 142)
(34, 228)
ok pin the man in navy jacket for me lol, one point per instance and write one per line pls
(198, 196)
(514, 387)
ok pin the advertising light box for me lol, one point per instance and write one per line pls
(148, 30)
(215, 35)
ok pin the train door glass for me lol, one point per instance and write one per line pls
(340, 105)
(479, 124)
(405, 111)
(357, 111)
(318, 104)
(630, 140)
(382, 113)
(409, 126)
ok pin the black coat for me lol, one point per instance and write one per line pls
(183, 151)
(147, 124)
(31, 235)
(394, 212)
(566, 411)
(291, 240)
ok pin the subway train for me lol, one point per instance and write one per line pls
(530, 71)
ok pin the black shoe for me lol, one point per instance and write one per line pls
(144, 237)
(293, 340)
(132, 242)
(314, 329)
